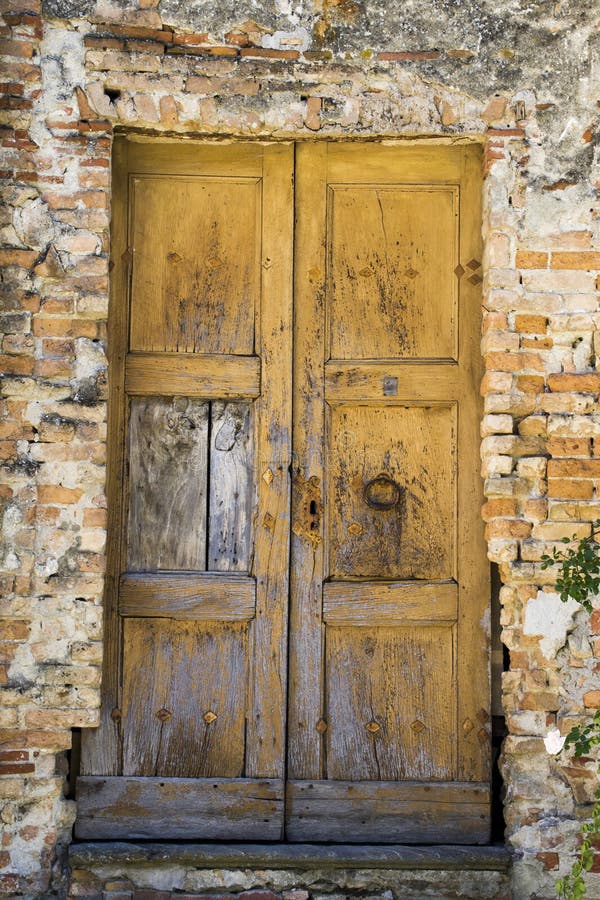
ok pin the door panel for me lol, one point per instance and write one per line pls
(182, 719)
(197, 591)
(397, 269)
(392, 491)
(196, 267)
(385, 650)
(388, 650)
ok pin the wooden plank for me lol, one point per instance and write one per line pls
(231, 494)
(212, 157)
(273, 409)
(408, 381)
(196, 263)
(100, 747)
(188, 595)
(385, 603)
(474, 720)
(306, 710)
(391, 705)
(394, 857)
(185, 808)
(168, 447)
(184, 698)
(190, 375)
(392, 288)
(392, 485)
(406, 162)
(355, 812)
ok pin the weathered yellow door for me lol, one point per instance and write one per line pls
(388, 712)
(387, 730)
(192, 740)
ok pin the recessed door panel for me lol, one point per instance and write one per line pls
(393, 250)
(195, 266)
(392, 491)
(389, 698)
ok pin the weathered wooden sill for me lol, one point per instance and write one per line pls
(293, 856)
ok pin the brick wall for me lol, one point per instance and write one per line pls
(75, 71)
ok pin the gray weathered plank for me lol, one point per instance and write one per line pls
(230, 487)
(362, 811)
(168, 441)
(492, 858)
(148, 808)
(188, 595)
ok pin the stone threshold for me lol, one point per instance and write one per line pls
(493, 857)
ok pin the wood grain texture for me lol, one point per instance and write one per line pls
(184, 689)
(390, 709)
(448, 857)
(195, 263)
(388, 602)
(267, 712)
(416, 381)
(387, 812)
(415, 447)
(231, 487)
(188, 595)
(306, 743)
(168, 456)
(184, 808)
(396, 269)
(191, 375)
(474, 571)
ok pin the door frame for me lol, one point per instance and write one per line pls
(117, 363)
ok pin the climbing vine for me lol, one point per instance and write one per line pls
(579, 578)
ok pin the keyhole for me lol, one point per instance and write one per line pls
(312, 509)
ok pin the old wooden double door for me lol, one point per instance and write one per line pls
(297, 595)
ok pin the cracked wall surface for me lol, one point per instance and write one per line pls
(521, 76)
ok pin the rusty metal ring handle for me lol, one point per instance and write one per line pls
(382, 492)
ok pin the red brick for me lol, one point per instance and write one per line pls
(269, 54)
(17, 365)
(14, 755)
(51, 493)
(573, 468)
(22, 49)
(506, 507)
(569, 446)
(508, 528)
(14, 629)
(193, 40)
(591, 699)
(143, 34)
(16, 768)
(570, 489)
(23, 258)
(580, 259)
(530, 384)
(531, 324)
(586, 383)
(408, 55)
(514, 362)
(549, 860)
(58, 327)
